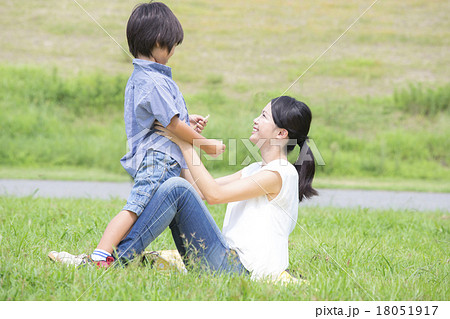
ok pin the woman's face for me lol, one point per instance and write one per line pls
(264, 128)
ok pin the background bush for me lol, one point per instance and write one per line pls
(425, 101)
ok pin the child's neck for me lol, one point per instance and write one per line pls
(147, 58)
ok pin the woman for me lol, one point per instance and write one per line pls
(263, 201)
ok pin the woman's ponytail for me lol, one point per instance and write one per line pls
(306, 169)
(295, 117)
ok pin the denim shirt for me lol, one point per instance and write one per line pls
(151, 95)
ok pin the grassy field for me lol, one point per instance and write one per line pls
(356, 254)
(380, 101)
(379, 97)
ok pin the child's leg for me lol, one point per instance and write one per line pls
(116, 230)
(155, 168)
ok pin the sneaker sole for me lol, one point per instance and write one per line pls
(53, 255)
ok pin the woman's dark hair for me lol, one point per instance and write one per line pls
(295, 117)
(150, 24)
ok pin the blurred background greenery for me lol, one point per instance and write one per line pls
(380, 97)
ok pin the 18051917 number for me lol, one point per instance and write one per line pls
(406, 310)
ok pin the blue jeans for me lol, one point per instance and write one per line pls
(177, 205)
(155, 168)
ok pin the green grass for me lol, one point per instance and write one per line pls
(426, 101)
(346, 254)
(380, 105)
(68, 124)
(63, 173)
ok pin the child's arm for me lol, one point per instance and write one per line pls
(184, 132)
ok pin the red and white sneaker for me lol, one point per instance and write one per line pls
(103, 263)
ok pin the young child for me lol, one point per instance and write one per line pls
(151, 95)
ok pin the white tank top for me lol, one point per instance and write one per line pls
(258, 229)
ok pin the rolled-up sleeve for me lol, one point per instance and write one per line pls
(157, 104)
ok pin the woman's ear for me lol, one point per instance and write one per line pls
(283, 133)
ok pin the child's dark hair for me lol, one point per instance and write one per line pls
(295, 117)
(151, 24)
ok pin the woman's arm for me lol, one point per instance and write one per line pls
(229, 178)
(263, 183)
(231, 188)
(188, 176)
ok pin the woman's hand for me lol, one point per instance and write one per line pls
(161, 130)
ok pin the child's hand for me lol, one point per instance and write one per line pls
(198, 122)
(213, 148)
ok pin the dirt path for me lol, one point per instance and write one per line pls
(328, 197)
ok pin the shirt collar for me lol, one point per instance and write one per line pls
(153, 67)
